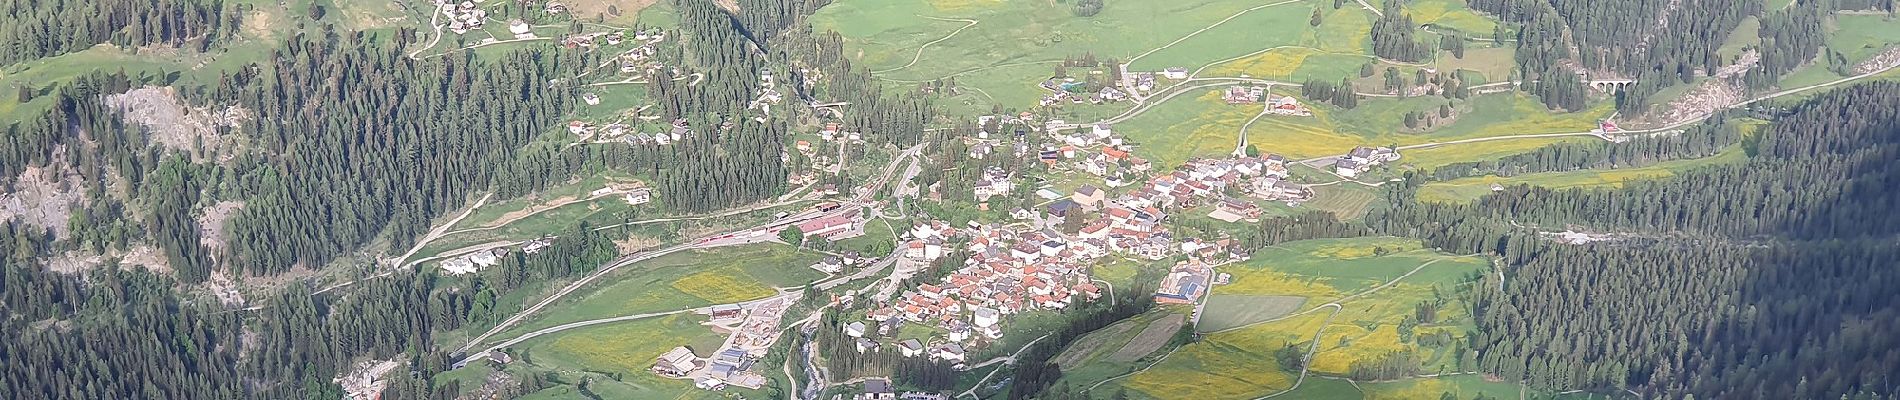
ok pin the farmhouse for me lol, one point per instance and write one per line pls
(677, 362)
(639, 196)
(1363, 158)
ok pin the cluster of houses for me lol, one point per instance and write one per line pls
(677, 131)
(1207, 181)
(639, 58)
(1074, 92)
(834, 131)
(1363, 158)
(880, 389)
(1007, 272)
(1141, 82)
(1276, 104)
(768, 94)
(471, 262)
(464, 16)
(836, 264)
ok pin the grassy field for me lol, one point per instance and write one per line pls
(1470, 189)
(1450, 14)
(1746, 34)
(886, 34)
(1292, 64)
(625, 350)
(1345, 200)
(1226, 311)
(1860, 36)
(1238, 363)
(1430, 158)
(1091, 358)
(1014, 44)
(1494, 64)
(683, 280)
(1200, 124)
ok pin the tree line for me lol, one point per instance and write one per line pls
(1767, 279)
(38, 29)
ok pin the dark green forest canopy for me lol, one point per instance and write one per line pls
(32, 29)
(1769, 279)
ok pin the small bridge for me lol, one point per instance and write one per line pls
(1610, 85)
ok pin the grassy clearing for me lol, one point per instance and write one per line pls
(886, 34)
(1200, 124)
(1470, 189)
(1440, 156)
(1464, 386)
(1860, 36)
(1239, 363)
(612, 11)
(626, 350)
(1494, 64)
(1225, 366)
(1339, 265)
(1014, 44)
(1152, 337)
(1226, 311)
(1347, 201)
(1292, 64)
(682, 280)
(1450, 14)
(1746, 34)
(1189, 126)
(1326, 389)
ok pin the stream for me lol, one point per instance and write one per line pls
(814, 377)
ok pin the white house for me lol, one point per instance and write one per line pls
(910, 348)
(854, 329)
(984, 316)
(948, 352)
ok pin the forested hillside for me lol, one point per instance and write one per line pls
(31, 29)
(1770, 279)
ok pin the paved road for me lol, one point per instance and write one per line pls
(562, 327)
(758, 234)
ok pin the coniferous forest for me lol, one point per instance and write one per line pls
(35, 29)
(1769, 279)
(1772, 278)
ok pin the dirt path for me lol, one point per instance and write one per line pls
(438, 232)
(921, 48)
(1307, 361)
(1209, 27)
(1336, 302)
(974, 70)
(1010, 360)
